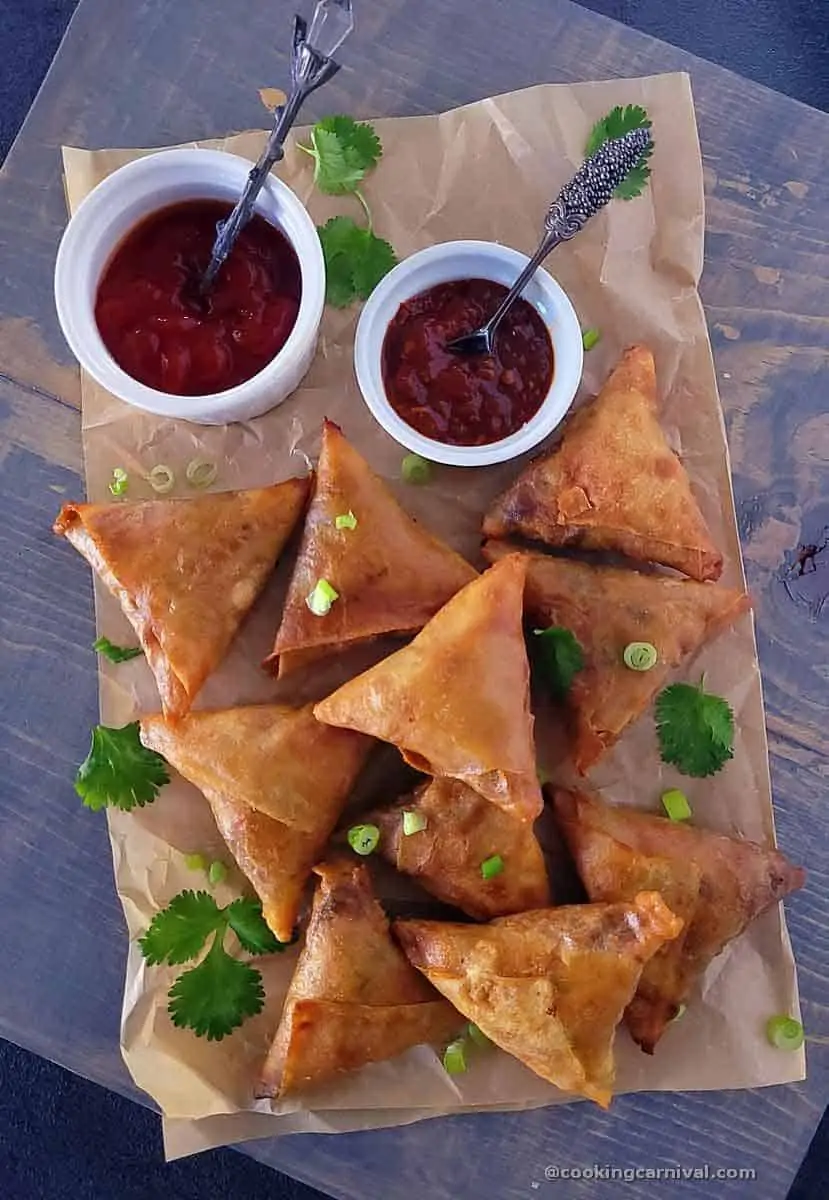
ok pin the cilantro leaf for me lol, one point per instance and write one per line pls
(215, 997)
(355, 260)
(343, 151)
(178, 932)
(115, 654)
(559, 657)
(695, 729)
(244, 916)
(119, 771)
(619, 121)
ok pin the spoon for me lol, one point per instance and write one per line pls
(587, 192)
(312, 65)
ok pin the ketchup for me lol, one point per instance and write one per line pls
(164, 333)
(465, 400)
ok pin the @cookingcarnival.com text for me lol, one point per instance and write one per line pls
(606, 1171)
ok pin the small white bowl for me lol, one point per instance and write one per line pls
(114, 207)
(469, 260)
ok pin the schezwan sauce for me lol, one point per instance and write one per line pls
(458, 399)
(164, 333)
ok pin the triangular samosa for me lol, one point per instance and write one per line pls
(606, 608)
(461, 831)
(186, 572)
(613, 483)
(390, 574)
(548, 986)
(353, 999)
(717, 884)
(455, 701)
(276, 781)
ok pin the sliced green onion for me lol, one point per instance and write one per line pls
(120, 481)
(590, 338)
(321, 598)
(161, 479)
(477, 1036)
(413, 822)
(680, 1013)
(492, 866)
(415, 469)
(201, 472)
(346, 520)
(640, 656)
(454, 1058)
(544, 776)
(195, 862)
(216, 873)
(676, 805)
(363, 839)
(115, 654)
(785, 1033)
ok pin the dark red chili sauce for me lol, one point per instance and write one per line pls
(458, 399)
(158, 327)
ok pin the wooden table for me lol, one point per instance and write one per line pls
(152, 72)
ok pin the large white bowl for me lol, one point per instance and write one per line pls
(469, 260)
(114, 207)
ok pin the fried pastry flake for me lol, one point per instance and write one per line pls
(354, 998)
(613, 483)
(548, 986)
(186, 572)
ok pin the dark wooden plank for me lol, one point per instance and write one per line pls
(147, 73)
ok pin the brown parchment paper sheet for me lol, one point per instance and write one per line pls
(487, 170)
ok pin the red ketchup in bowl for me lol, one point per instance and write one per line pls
(164, 333)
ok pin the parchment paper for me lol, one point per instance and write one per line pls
(487, 170)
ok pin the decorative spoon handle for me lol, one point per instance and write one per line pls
(312, 65)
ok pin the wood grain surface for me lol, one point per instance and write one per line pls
(150, 72)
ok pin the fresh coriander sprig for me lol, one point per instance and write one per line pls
(344, 151)
(559, 658)
(355, 260)
(115, 654)
(119, 771)
(619, 121)
(221, 992)
(695, 729)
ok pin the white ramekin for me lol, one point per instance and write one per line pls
(114, 207)
(469, 260)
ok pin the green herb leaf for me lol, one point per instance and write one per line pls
(120, 771)
(179, 931)
(619, 121)
(696, 729)
(344, 150)
(215, 997)
(355, 260)
(559, 658)
(115, 654)
(244, 916)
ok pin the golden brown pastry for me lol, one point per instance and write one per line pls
(606, 608)
(456, 700)
(717, 884)
(462, 831)
(391, 575)
(353, 998)
(613, 483)
(548, 986)
(276, 781)
(186, 572)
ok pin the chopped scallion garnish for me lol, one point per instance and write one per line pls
(321, 598)
(217, 873)
(115, 654)
(413, 822)
(676, 805)
(477, 1036)
(640, 656)
(195, 862)
(364, 839)
(784, 1032)
(161, 479)
(590, 338)
(346, 520)
(201, 472)
(492, 866)
(120, 481)
(680, 1012)
(415, 469)
(454, 1058)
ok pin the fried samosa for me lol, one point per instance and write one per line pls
(613, 483)
(456, 700)
(548, 986)
(353, 999)
(276, 781)
(186, 572)
(460, 832)
(606, 608)
(391, 575)
(717, 884)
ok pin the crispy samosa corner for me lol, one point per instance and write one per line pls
(613, 483)
(456, 701)
(353, 998)
(390, 574)
(606, 608)
(186, 572)
(457, 831)
(717, 884)
(548, 986)
(276, 781)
